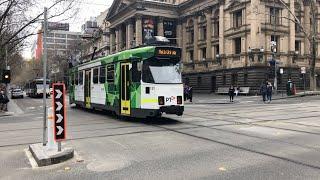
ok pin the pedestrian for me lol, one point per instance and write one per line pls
(5, 101)
(263, 91)
(185, 92)
(1, 101)
(237, 90)
(231, 93)
(269, 92)
(190, 93)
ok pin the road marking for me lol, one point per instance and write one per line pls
(222, 169)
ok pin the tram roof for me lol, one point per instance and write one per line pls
(143, 53)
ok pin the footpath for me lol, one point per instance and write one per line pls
(13, 109)
(224, 99)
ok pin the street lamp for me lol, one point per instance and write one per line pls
(261, 54)
(251, 56)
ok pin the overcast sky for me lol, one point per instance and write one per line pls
(87, 9)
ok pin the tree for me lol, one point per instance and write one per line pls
(312, 35)
(18, 20)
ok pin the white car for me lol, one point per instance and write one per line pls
(16, 93)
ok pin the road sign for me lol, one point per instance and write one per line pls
(303, 70)
(59, 111)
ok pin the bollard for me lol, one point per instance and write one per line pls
(51, 143)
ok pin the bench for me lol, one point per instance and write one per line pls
(223, 90)
(244, 90)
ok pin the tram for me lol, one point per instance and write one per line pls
(141, 82)
(34, 88)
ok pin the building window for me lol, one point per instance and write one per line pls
(216, 49)
(216, 29)
(191, 56)
(297, 48)
(237, 19)
(204, 53)
(275, 16)
(276, 40)
(237, 46)
(95, 75)
(203, 33)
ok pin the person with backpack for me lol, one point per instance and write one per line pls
(3, 101)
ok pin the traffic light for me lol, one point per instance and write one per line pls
(6, 76)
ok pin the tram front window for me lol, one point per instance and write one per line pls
(161, 71)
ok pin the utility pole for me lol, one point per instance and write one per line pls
(45, 56)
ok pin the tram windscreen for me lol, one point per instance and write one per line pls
(162, 71)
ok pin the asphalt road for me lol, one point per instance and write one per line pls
(244, 140)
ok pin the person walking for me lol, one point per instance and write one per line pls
(231, 93)
(269, 92)
(190, 93)
(185, 92)
(4, 101)
(1, 101)
(263, 91)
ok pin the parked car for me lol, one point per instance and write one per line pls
(16, 93)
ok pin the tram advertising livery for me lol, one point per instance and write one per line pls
(142, 82)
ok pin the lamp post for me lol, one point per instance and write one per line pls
(251, 57)
(218, 59)
(261, 54)
(274, 51)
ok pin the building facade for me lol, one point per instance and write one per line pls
(224, 42)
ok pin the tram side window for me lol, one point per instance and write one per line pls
(77, 79)
(135, 73)
(110, 74)
(95, 75)
(80, 77)
(102, 77)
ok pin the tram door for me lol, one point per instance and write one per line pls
(87, 89)
(125, 89)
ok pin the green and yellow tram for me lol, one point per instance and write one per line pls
(142, 82)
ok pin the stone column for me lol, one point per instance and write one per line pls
(292, 32)
(160, 30)
(117, 41)
(307, 27)
(221, 29)
(184, 38)
(129, 34)
(138, 30)
(254, 21)
(209, 34)
(120, 39)
(112, 41)
(196, 39)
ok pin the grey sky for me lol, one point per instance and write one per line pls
(88, 9)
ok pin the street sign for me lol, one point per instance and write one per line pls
(303, 70)
(59, 111)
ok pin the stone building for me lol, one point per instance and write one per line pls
(223, 41)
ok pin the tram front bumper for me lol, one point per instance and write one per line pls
(178, 110)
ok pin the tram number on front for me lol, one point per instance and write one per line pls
(167, 52)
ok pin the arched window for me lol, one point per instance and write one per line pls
(190, 22)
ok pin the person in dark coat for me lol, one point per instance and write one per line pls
(263, 91)
(269, 92)
(231, 93)
(190, 93)
(185, 92)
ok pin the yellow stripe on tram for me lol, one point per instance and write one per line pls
(148, 101)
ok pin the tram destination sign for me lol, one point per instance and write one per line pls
(168, 51)
(59, 111)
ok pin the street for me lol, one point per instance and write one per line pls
(244, 140)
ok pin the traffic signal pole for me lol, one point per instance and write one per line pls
(45, 55)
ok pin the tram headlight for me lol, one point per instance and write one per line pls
(161, 100)
(179, 100)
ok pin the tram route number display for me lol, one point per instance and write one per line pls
(59, 111)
